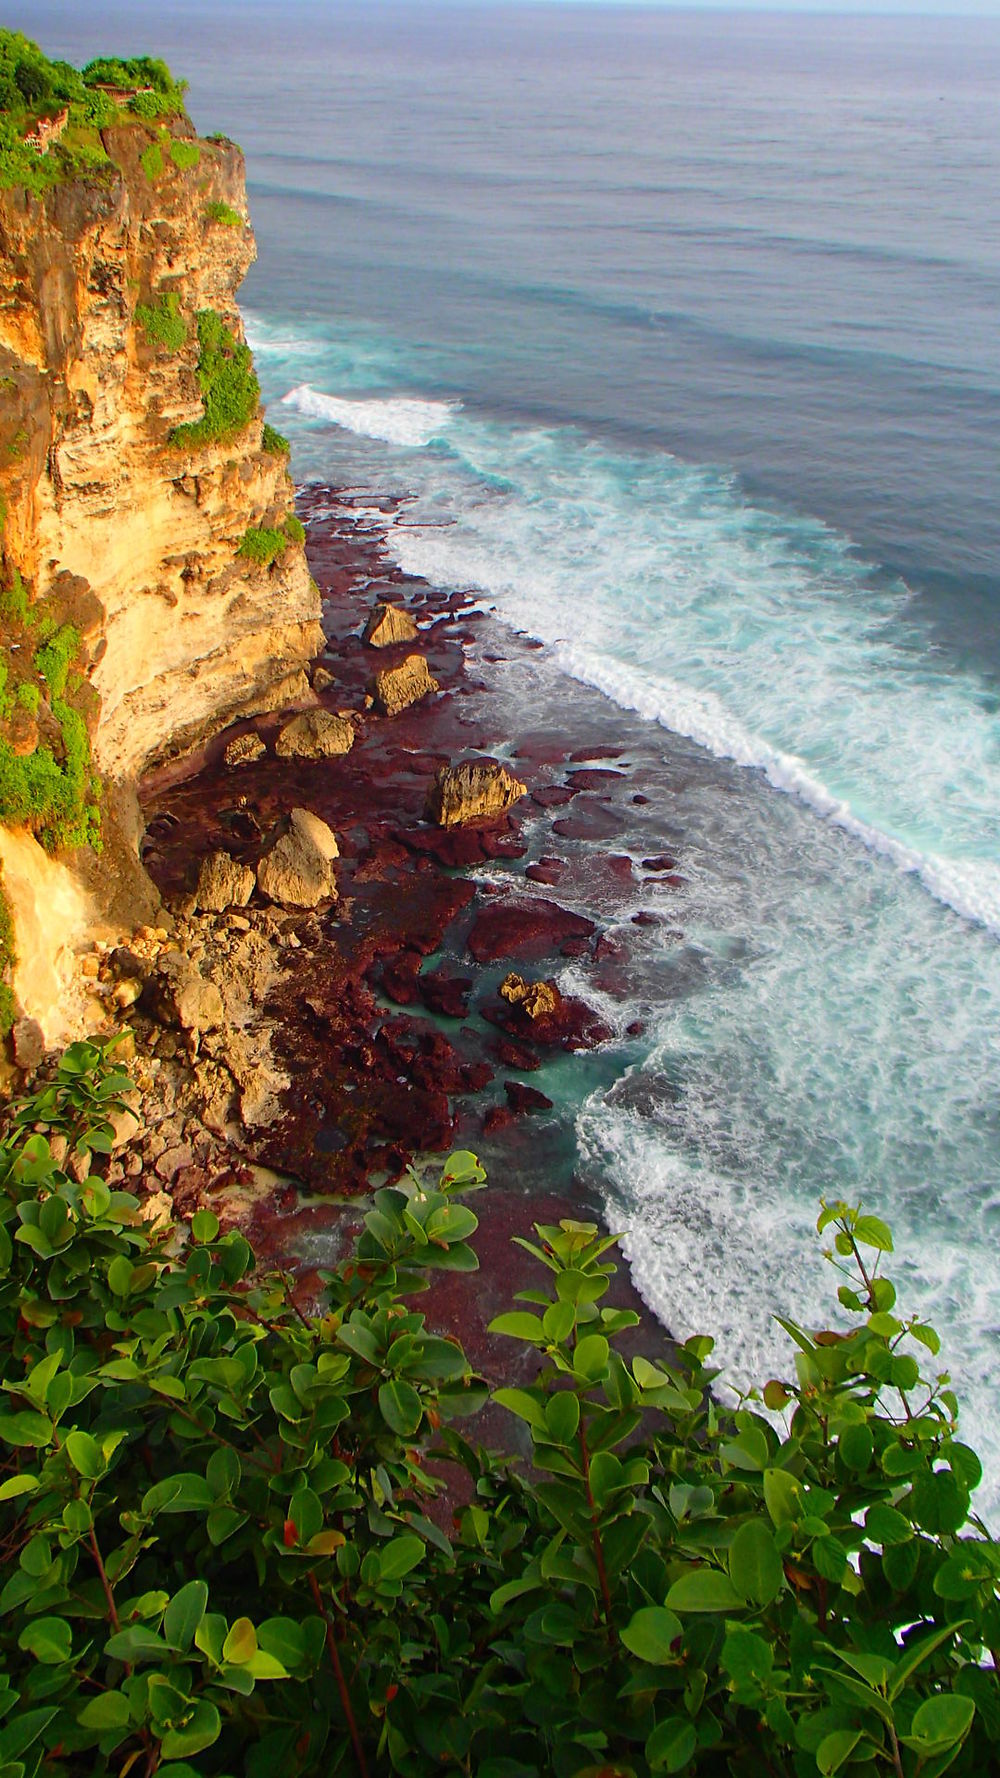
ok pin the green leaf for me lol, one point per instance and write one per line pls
(856, 1446)
(917, 1652)
(834, 1749)
(136, 1644)
(886, 1526)
(16, 1485)
(241, 1643)
(782, 1496)
(120, 1275)
(590, 1357)
(671, 1745)
(201, 1730)
(184, 1614)
(400, 1407)
(399, 1555)
(870, 1231)
(941, 1722)
(49, 1639)
(23, 1731)
(204, 1227)
(650, 1634)
(26, 1428)
(754, 1563)
(305, 1509)
(108, 1711)
(519, 1325)
(562, 1416)
(705, 1589)
(525, 1406)
(85, 1454)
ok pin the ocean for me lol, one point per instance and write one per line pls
(681, 330)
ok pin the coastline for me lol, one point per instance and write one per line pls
(385, 1017)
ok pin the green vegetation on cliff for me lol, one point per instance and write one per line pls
(47, 783)
(225, 1551)
(223, 213)
(8, 958)
(35, 91)
(263, 544)
(162, 322)
(229, 388)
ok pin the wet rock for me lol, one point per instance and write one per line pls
(499, 1117)
(244, 750)
(538, 1000)
(29, 1044)
(524, 928)
(553, 796)
(222, 883)
(521, 1098)
(475, 791)
(297, 869)
(316, 734)
(447, 995)
(516, 1055)
(389, 624)
(398, 687)
(593, 778)
(547, 871)
(662, 861)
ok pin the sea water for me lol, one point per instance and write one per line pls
(682, 331)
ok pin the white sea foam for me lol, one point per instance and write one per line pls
(397, 420)
(763, 639)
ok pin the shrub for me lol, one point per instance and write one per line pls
(8, 959)
(184, 154)
(275, 442)
(230, 390)
(28, 695)
(222, 1548)
(151, 161)
(59, 800)
(262, 545)
(54, 657)
(14, 600)
(216, 211)
(162, 322)
(294, 529)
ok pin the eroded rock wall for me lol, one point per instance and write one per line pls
(129, 537)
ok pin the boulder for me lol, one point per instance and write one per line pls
(182, 997)
(316, 734)
(398, 687)
(539, 1000)
(244, 750)
(28, 1039)
(388, 624)
(476, 791)
(297, 868)
(322, 679)
(521, 1098)
(527, 928)
(222, 883)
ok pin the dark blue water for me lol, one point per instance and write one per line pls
(687, 326)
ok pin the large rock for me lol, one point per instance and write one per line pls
(476, 791)
(539, 1000)
(244, 750)
(388, 624)
(315, 735)
(182, 997)
(535, 928)
(222, 883)
(398, 687)
(28, 1039)
(297, 869)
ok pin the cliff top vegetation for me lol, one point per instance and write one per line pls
(39, 145)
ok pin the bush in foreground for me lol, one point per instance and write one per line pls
(225, 1554)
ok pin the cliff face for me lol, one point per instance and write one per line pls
(125, 535)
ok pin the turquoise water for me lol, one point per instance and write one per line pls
(682, 332)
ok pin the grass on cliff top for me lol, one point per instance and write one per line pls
(33, 87)
(229, 389)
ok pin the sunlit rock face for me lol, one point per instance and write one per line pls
(131, 537)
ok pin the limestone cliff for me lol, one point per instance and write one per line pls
(133, 538)
(148, 542)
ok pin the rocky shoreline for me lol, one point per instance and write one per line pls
(291, 1055)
